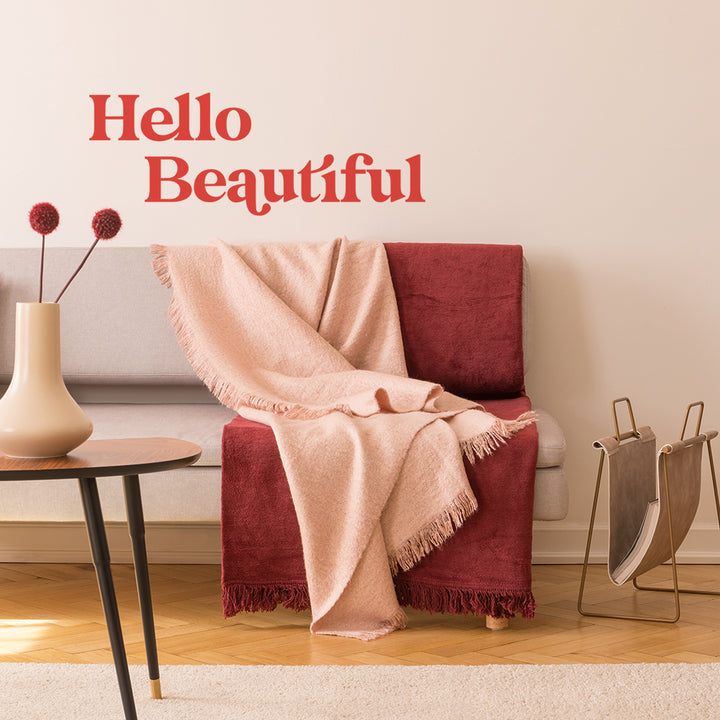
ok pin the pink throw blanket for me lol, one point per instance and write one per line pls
(305, 338)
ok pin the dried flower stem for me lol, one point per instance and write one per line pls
(79, 267)
(42, 265)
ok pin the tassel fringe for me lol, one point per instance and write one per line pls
(256, 598)
(460, 601)
(480, 446)
(433, 598)
(160, 265)
(433, 534)
(397, 621)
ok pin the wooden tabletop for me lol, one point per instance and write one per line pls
(99, 458)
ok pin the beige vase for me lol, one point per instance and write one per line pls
(38, 416)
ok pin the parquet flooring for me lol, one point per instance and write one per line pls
(52, 613)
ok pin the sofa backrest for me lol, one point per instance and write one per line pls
(113, 318)
(461, 313)
(460, 309)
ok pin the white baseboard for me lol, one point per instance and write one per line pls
(198, 543)
(560, 543)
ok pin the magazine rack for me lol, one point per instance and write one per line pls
(653, 498)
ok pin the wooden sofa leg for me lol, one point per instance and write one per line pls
(492, 623)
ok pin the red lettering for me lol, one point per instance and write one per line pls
(205, 125)
(100, 117)
(350, 172)
(414, 195)
(156, 180)
(241, 186)
(202, 183)
(330, 194)
(221, 123)
(183, 128)
(376, 185)
(306, 178)
(288, 192)
(147, 123)
(232, 123)
(250, 195)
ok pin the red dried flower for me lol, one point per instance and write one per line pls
(44, 218)
(106, 224)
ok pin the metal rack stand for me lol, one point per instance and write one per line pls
(667, 461)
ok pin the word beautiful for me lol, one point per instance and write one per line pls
(171, 180)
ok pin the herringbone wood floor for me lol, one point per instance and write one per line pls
(52, 613)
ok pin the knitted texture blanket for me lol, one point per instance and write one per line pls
(305, 338)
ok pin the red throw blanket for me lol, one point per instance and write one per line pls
(484, 569)
(461, 316)
(305, 338)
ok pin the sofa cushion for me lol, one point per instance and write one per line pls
(460, 309)
(202, 424)
(183, 495)
(254, 450)
(99, 343)
(262, 550)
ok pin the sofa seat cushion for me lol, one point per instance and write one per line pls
(487, 561)
(184, 495)
(199, 423)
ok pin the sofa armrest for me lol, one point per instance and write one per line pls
(551, 489)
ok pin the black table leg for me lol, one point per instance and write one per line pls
(136, 524)
(101, 560)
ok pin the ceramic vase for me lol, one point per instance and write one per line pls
(38, 416)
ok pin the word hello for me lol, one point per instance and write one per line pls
(171, 180)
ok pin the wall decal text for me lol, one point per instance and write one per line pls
(170, 178)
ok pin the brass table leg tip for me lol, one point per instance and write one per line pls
(155, 688)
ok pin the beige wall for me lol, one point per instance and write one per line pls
(589, 132)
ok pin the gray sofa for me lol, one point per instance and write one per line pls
(122, 362)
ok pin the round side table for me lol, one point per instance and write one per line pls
(128, 458)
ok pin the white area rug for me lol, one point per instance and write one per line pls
(501, 692)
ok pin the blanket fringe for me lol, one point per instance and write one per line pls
(160, 264)
(242, 597)
(433, 534)
(461, 601)
(397, 621)
(433, 598)
(479, 446)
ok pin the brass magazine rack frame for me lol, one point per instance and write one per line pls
(664, 483)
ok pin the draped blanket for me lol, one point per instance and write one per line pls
(305, 338)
